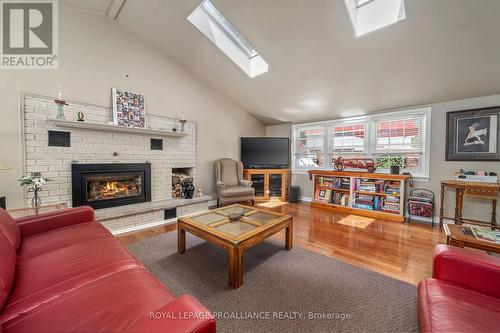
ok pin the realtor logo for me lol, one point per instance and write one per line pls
(29, 34)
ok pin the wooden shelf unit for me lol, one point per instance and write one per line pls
(269, 184)
(378, 199)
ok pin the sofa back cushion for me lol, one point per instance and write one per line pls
(10, 229)
(7, 268)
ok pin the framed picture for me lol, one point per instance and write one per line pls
(473, 135)
(128, 109)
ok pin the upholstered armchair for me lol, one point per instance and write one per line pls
(231, 187)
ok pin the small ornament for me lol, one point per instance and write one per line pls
(80, 116)
(187, 188)
(199, 193)
(183, 122)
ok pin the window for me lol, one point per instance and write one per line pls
(210, 21)
(347, 139)
(371, 15)
(396, 133)
(309, 148)
(403, 135)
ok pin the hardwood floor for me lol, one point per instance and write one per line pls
(402, 251)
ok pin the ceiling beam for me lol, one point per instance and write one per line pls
(114, 9)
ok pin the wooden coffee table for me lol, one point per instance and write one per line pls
(455, 237)
(254, 226)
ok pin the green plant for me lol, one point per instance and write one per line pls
(387, 161)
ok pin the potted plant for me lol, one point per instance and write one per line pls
(392, 162)
(34, 182)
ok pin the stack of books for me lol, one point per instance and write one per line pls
(368, 185)
(391, 205)
(365, 201)
(392, 187)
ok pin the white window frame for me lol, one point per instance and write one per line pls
(370, 138)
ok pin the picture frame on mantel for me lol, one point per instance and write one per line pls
(128, 109)
(473, 135)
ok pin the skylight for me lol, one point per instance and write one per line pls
(371, 15)
(210, 21)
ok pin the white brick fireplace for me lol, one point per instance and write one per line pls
(91, 144)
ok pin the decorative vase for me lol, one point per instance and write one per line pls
(60, 109)
(395, 169)
(36, 201)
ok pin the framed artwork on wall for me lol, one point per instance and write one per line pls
(473, 135)
(128, 109)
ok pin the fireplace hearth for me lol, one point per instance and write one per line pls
(109, 185)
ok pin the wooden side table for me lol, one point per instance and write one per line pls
(456, 237)
(23, 212)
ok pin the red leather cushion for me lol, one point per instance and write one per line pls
(446, 307)
(9, 228)
(62, 237)
(43, 277)
(111, 304)
(7, 268)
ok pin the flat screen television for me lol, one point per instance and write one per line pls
(265, 153)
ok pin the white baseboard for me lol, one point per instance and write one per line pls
(305, 199)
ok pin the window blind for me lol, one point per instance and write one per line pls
(404, 134)
(347, 139)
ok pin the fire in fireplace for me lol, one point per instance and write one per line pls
(108, 185)
(111, 187)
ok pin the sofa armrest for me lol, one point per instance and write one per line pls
(473, 270)
(35, 224)
(245, 183)
(184, 314)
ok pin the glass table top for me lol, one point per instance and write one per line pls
(251, 219)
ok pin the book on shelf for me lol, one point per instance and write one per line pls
(334, 183)
(392, 187)
(322, 195)
(368, 185)
(339, 198)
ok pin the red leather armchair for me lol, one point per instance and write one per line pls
(64, 272)
(463, 294)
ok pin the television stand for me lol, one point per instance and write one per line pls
(269, 184)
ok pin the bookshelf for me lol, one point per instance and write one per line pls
(362, 193)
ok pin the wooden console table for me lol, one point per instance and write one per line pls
(487, 191)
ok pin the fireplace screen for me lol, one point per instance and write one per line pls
(113, 186)
(110, 185)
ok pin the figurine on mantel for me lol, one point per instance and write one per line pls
(183, 122)
(60, 104)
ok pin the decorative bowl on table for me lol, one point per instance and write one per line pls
(235, 216)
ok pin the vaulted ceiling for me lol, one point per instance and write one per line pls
(444, 50)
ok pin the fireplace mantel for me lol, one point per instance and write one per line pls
(114, 128)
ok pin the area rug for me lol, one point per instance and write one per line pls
(283, 291)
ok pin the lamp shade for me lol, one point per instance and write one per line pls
(3, 166)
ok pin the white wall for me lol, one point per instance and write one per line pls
(95, 55)
(439, 168)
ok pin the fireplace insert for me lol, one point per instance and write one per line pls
(109, 185)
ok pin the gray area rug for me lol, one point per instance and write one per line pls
(282, 290)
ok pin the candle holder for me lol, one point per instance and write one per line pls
(60, 109)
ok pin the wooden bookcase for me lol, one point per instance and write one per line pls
(361, 193)
(269, 184)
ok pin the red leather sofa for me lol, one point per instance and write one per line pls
(463, 294)
(64, 272)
